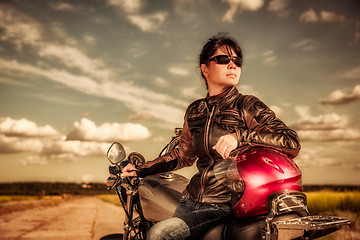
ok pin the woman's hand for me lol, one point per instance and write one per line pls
(129, 171)
(226, 144)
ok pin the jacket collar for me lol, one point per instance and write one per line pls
(222, 98)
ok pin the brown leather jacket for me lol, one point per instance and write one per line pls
(206, 120)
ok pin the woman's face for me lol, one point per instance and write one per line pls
(220, 77)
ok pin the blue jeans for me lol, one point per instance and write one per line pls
(190, 219)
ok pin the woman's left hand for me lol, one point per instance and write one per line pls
(226, 144)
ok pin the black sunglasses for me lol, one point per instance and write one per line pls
(225, 59)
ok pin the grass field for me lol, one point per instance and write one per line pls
(342, 204)
(111, 198)
(14, 203)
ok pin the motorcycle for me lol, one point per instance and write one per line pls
(266, 187)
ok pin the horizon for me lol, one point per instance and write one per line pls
(76, 76)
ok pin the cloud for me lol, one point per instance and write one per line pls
(303, 111)
(65, 151)
(139, 117)
(356, 38)
(62, 6)
(86, 140)
(191, 92)
(269, 58)
(316, 157)
(240, 6)
(95, 80)
(327, 127)
(75, 148)
(161, 82)
(325, 16)
(73, 58)
(89, 39)
(339, 97)
(132, 10)
(86, 130)
(18, 28)
(277, 110)
(18, 144)
(25, 128)
(148, 23)
(138, 99)
(279, 7)
(128, 6)
(353, 74)
(304, 44)
(178, 71)
(309, 16)
(323, 122)
(332, 135)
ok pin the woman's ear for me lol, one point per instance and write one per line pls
(204, 70)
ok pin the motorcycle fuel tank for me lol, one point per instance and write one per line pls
(265, 172)
(160, 195)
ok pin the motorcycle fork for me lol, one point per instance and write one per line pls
(128, 209)
(129, 215)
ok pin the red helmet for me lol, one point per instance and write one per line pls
(264, 172)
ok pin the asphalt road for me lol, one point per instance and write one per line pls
(87, 218)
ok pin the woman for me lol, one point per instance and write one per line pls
(213, 127)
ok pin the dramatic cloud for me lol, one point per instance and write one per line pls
(128, 6)
(25, 128)
(86, 130)
(304, 44)
(331, 17)
(279, 7)
(353, 73)
(322, 122)
(65, 151)
(132, 10)
(138, 99)
(62, 6)
(269, 58)
(309, 16)
(148, 23)
(179, 71)
(240, 6)
(86, 140)
(316, 157)
(329, 135)
(18, 28)
(96, 78)
(191, 92)
(339, 97)
(328, 127)
(324, 16)
(20, 144)
(161, 82)
(74, 58)
(277, 110)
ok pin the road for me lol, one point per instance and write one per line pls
(86, 218)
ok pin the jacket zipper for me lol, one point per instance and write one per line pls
(206, 147)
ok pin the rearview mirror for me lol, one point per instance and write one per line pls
(116, 153)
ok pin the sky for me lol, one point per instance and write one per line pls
(78, 75)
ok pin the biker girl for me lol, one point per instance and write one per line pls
(223, 122)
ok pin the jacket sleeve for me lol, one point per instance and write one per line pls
(265, 129)
(179, 157)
